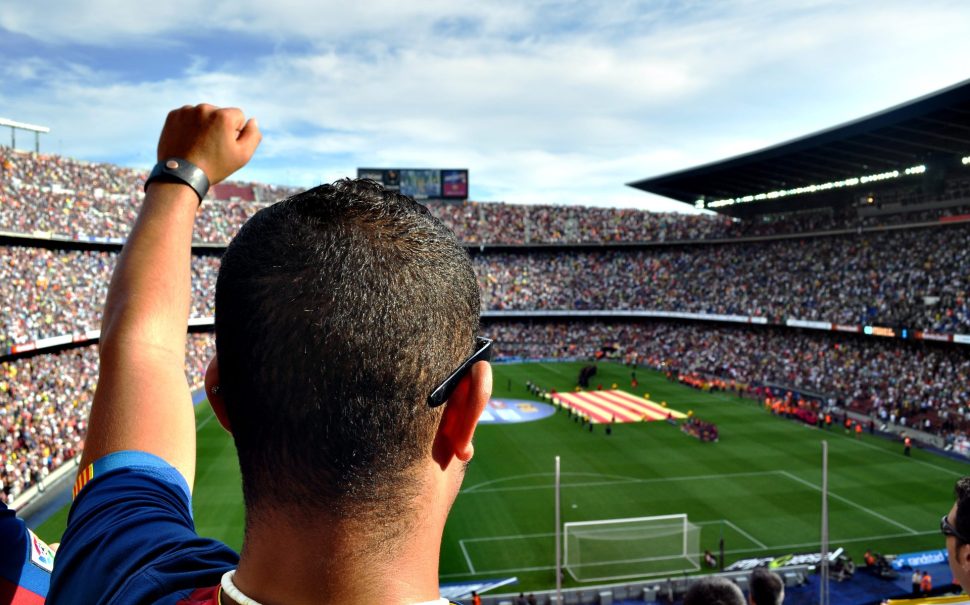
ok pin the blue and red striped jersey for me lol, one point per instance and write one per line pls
(131, 539)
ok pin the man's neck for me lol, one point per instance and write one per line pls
(330, 562)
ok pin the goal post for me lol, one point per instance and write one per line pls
(615, 549)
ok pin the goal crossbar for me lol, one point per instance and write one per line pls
(627, 520)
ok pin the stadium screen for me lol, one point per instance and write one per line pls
(421, 183)
(454, 184)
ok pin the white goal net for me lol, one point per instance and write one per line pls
(614, 549)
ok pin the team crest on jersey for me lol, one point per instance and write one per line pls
(41, 554)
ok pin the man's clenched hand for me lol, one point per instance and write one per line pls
(218, 140)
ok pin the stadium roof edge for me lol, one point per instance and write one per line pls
(23, 126)
(900, 136)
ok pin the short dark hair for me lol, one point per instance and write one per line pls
(961, 521)
(765, 587)
(714, 590)
(338, 311)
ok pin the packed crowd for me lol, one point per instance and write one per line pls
(908, 384)
(497, 223)
(72, 198)
(44, 405)
(61, 196)
(859, 280)
(56, 292)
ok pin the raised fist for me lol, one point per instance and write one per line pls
(220, 141)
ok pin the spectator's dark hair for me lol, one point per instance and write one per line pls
(765, 587)
(961, 521)
(714, 590)
(338, 311)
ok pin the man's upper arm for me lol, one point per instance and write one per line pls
(144, 401)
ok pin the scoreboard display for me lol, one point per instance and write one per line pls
(421, 183)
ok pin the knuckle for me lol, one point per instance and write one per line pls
(230, 114)
(203, 111)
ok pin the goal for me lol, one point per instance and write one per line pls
(614, 549)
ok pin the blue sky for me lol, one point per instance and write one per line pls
(543, 101)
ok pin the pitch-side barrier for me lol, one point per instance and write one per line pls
(648, 591)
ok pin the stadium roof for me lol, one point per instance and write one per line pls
(927, 133)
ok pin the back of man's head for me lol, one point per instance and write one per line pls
(337, 312)
(962, 517)
(714, 590)
(766, 588)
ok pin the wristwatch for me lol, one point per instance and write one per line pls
(179, 170)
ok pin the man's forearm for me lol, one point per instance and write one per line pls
(142, 401)
(149, 297)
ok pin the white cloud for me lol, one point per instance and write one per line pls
(543, 102)
(120, 22)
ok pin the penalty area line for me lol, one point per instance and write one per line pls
(850, 503)
(468, 559)
(745, 534)
(614, 480)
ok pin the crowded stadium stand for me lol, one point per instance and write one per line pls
(832, 267)
(45, 398)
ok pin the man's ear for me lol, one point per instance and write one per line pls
(461, 414)
(216, 402)
(963, 557)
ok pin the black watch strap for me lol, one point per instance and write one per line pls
(178, 170)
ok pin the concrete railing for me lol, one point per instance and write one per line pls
(648, 591)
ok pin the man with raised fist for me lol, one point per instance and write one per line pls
(347, 370)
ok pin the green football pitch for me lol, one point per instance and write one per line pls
(758, 487)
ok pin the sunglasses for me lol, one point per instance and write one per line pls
(483, 352)
(949, 530)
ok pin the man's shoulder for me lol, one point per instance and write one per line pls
(129, 464)
(131, 537)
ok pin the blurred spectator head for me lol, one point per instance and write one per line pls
(714, 590)
(765, 587)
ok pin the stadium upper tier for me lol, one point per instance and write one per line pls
(44, 194)
(56, 292)
(914, 278)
